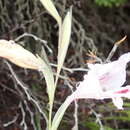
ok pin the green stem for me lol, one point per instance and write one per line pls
(50, 114)
(51, 99)
(50, 90)
(59, 114)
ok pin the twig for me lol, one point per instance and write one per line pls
(35, 38)
(112, 52)
(9, 89)
(23, 122)
(11, 122)
(71, 70)
(27, 92)
(75, 127)
(75, 115)
(98, 118)
(93, 55)
(31, 115)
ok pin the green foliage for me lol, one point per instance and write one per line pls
(92, 125)
(107, 128)
(123, 116)
(95, 126)
(110, 3)
(37, 121)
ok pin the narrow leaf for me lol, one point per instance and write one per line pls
(59, 114)
(64, 40)
(49, 78)
(49, 6)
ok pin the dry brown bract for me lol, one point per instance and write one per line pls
(18, 55)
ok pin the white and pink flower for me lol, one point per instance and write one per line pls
(105, 81)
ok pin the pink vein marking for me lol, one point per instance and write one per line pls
(123, 91)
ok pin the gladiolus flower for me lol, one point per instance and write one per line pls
(105, 81)
(18, 55)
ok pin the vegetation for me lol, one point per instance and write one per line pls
(24, 102)
(110, 3)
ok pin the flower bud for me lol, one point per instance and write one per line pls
(18, 55)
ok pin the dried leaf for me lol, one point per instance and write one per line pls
(18, 55)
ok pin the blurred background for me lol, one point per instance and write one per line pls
(96, 26)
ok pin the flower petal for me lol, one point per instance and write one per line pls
(88, 88)
(125, 58)
(123, 92)
(118, 102)
(111, 75)
(105, 81)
